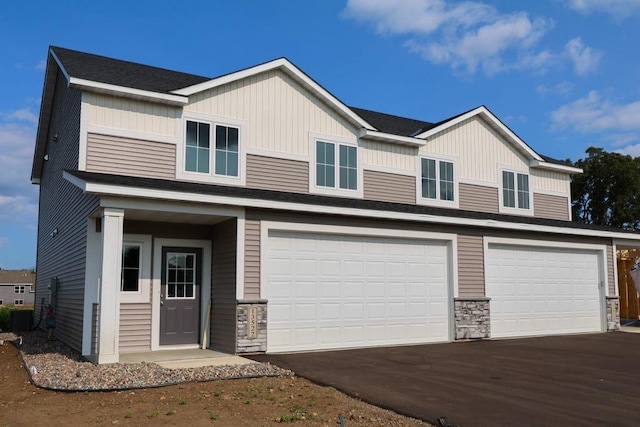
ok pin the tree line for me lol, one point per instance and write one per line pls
(608, 192)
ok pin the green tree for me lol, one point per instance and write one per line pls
(608, 192)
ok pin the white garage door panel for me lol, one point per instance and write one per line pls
(329, 291)
(542, 291)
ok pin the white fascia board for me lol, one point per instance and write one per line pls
(128, 92)
(494, 121)
(117, 190)
(387, 137)
(555, 167)
(291, 69)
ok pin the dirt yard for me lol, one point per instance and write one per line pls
(250, 402)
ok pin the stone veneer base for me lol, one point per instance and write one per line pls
(472, 318)
(613, 313)
(244, 342)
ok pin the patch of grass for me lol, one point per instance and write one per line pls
(153, 414)
(171, 411)
(298, 413)
(217, 393)
(313, 402)
(183, 401)
(128, 414)
(213, 415)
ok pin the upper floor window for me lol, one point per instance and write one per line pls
(199, 154)
(19, 289)
(336, 165)
(437, 179)
(515, 190)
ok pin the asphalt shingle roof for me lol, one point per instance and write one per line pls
(17, 276)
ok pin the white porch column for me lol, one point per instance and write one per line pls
(109, 292)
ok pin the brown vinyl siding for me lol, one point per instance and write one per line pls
(127, 156)
(389, 187)
(252, 259)
(223, 287)
(611, 260)
(135, 327)
(470, 266)
(479, 198)
(63, 206)
(272, 173)
(549, 206)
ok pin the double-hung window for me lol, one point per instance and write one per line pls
(18, 302)
(212, 149)
(336, 166)
(515, 190)
(437, 180)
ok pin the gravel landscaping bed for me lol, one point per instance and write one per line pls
(55, 366)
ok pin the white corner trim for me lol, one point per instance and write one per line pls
(372, 135)
(267, 226)
(240, 247)
(125, 133)
(82, 150)
(616, 288)
(482, 110)
(289, 68)
(555, 167)
(111, 89)
(205, 293)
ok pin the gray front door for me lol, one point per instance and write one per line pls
(180, 296)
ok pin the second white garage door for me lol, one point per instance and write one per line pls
(336, 291)
(542, 291)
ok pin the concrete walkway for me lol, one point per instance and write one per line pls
(181, 359)
(578, 380)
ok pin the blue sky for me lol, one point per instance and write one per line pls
(563, 74)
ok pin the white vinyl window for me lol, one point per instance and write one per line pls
(18, 302)
(198, 149)
(515, 190)
(131, 267)
(199, 154)
(18, 289)
(135, 280)
(437, 179)
(336, 165)
(1, 302)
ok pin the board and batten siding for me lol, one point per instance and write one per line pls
(479, 198)
(252, 259)
(271, 173)
(470, 266)
(549, 206)
(223, 287)
(135, 327)
(389, 187)
(130, 114)
(127, 156)
(278, 112)
(63, 206)
(550, 182)
(386, 155)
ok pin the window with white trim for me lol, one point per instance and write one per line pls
(135, 274)
(1, 302)
(437, 179)
(515, 190)
(18, 289)
(344, 172)
(131, 267)
(199, 154)
(18, 302)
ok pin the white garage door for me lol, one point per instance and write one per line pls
(542, 291)
(336, 291)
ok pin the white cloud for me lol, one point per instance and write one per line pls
(617, 8)
(471, 35)
(630, 150)
(592, 114)
(41, 65)
(561, 89)
(585, 59)
(22, 114)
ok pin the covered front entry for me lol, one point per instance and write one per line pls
(331, 291)
(180, 290)
(543, 290)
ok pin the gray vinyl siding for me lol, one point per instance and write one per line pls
(389, 187)
(550, 206)
(223, 287)
(135, 327)
(271, 173)
(478, 198)
(611, 261)
(8, 295)
(252, 259)
(127, 156)
(470, 266)
(65, 207)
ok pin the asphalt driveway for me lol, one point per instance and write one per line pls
(552, 381)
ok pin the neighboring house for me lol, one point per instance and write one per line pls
(256, 212)
(17, 287)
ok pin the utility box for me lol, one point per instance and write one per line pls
(20, 320)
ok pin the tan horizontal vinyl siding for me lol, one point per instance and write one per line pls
(252, 259)
(135, 327)
(272, 173)
(127, 156)
(549, 206)
(470, 266)
(479, 198)
(389, 187)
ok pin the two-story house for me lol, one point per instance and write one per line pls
(256, 212)
(17, 287)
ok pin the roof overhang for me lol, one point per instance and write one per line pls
(115, 90)
(118, 190)
(388, 137)
(298, 75)
(555, 167)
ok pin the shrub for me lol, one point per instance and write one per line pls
(5, 312)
